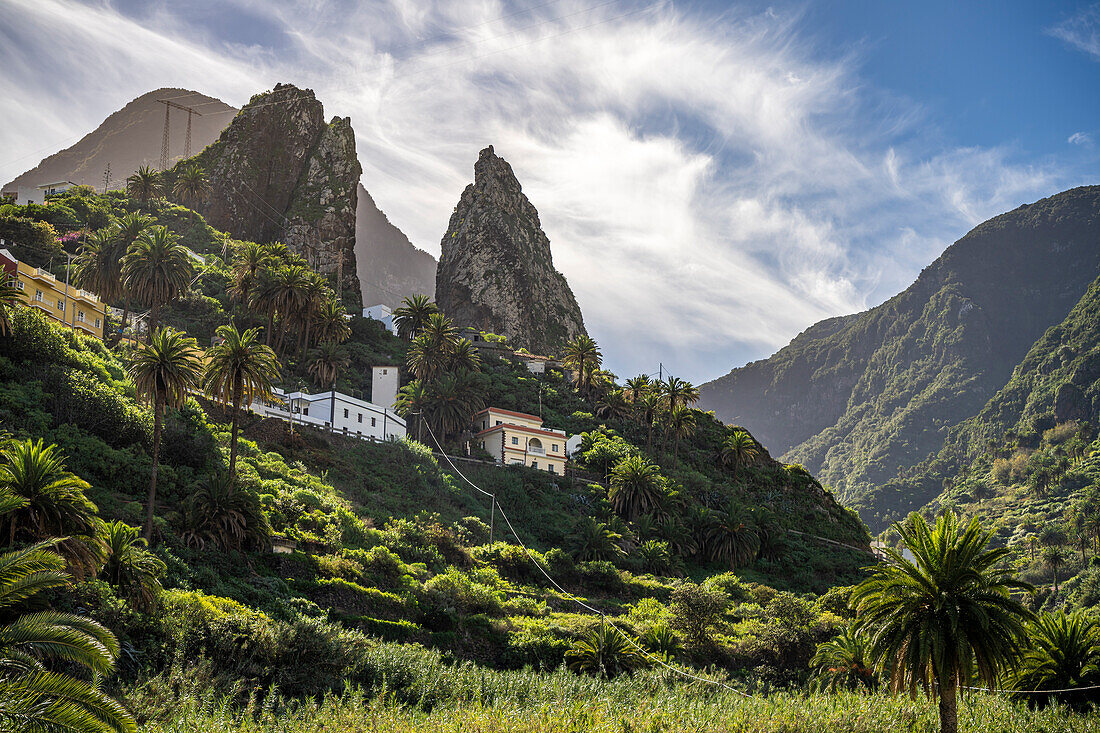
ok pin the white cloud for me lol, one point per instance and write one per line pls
(1082, 31)
(711, 185)
(1080, 138)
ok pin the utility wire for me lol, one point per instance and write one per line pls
(603, 616)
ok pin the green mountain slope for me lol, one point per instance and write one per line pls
(859, 398)
(1029, 445)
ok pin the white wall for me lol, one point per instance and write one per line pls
(363, 419)
(383, 314)
(385, 381)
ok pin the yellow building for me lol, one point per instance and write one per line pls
(78, 309)
(516, 438)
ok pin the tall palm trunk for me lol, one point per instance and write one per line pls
(270, 327)
(949, 704)
(150, 503)
(125, 318)
(233, 440)
(154, 314)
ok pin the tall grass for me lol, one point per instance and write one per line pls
(466, 698)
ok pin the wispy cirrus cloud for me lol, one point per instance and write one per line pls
(1081, 30)
(711, 184)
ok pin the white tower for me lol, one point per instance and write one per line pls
(384, 383)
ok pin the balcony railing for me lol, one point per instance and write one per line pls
(536, 451)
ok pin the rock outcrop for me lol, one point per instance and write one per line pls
(278, 172)
(495, 270)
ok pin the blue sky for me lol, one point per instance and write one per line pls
(714, 177)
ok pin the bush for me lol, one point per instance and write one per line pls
(696, 610)
(455, 591)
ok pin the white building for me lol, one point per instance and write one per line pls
(37, 195)
(383, 314)
(384, 383)
(516, 438)
(347, 415)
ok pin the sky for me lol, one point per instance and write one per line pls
(713, 177)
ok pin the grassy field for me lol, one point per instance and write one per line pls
(478, 700)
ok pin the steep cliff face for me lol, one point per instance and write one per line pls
(861, 399)
(391, 268)
(495, 270)
(278, 172)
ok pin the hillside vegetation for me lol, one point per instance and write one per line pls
(859, 398)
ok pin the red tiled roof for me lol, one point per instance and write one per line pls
(522, 429)
(508, 412)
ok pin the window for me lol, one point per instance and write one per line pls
(515, 441)
(534, 464)
(80, 316)
(98, 324)
(61, 305)
(360, 417)
(385, 372)
(374, 422)
(305, 411)
(345, 412)
(38, 295)
(550, 468)
(554, 447)
(499, 422)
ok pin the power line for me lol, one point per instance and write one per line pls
(567, 594)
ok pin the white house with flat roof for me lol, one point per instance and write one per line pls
(346, 415)
(383, 314)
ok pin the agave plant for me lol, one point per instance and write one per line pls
(33, 698)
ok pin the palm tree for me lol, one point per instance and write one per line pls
(730, 540)
(1064, 653)
(946, 614)
(325, 363)
(605, 652)
(649, 408)
(464, 356)
(98, 267)
(412, 402)
(655, 557)
(843, 663)
(263, 297)
(681, 423)
(10, 296)
(637, 487)
(453, 398)
(191, 185)
(315, 295)
(125, 232)
(239, 371)
(679, 392)
(289, 285)
(613, 406)
(50, 503)
(163, 370)
(592, 540)
(583, 356)
(738, 449)
(1054, 557)
(130, 567)
(156, 270)
(330, 323)
(143, 185)
(413, 315)
(637, 387)
(661, 641)
(249, 261)
(226, 515)
(430, 353)
(33, 698)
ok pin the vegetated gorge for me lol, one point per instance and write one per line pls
(178, 556)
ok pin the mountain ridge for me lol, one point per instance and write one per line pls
(859, 398)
